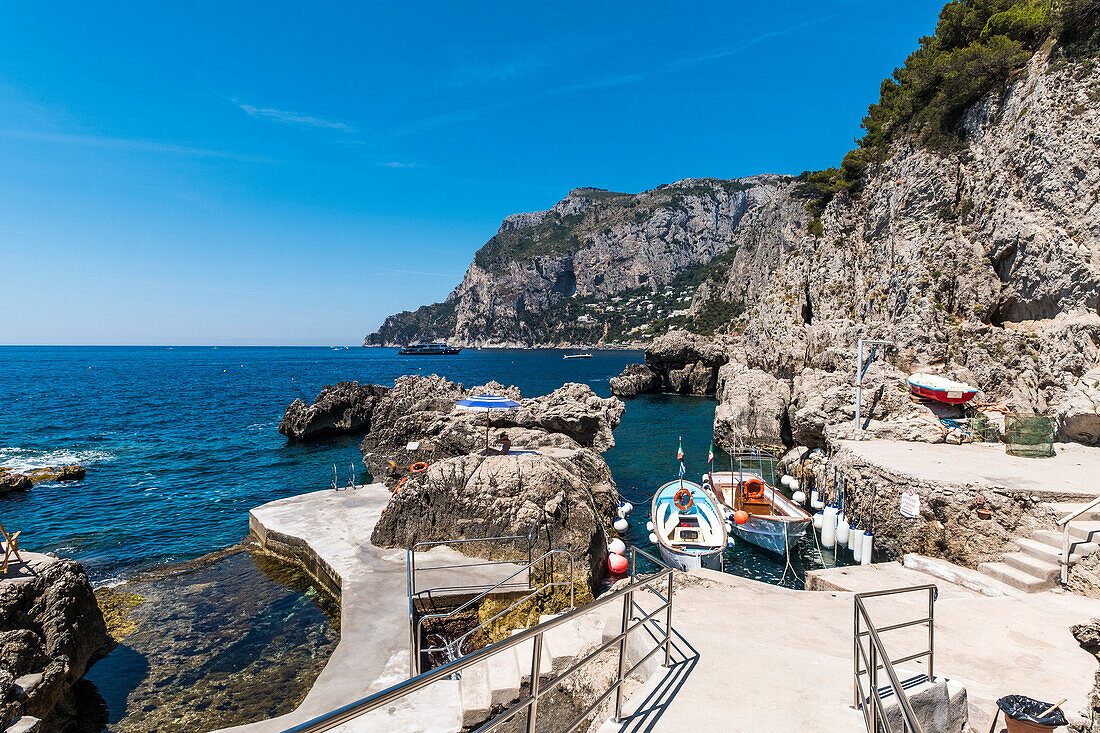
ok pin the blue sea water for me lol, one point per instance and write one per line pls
(181, 442)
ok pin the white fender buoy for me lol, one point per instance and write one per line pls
(828, 528)
(616, 546)
(617, 564)
(786, 480)
(729, 528)
(652, 538)
(843, 530)
(626, 507)
(799, 497)
(818, 519)
(865, 549)
(855, 542)
(621, 525)
(793, 485)
(649, 526)
(815, 500)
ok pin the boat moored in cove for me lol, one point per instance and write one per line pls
(770, 520)
(436, 348)
(687, 526)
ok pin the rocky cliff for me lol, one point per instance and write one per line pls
(603, 267)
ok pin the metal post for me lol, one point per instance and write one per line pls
(536, 662)
(859, 381)
(931, 632)
(1065, 553)
(668, 626)
(872, 678)
(855, 658)
(628, 604)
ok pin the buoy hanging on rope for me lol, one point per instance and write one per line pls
(818, 520)
(855, 542)
(617, 564)
(799, 497)
(793, 485)
(616, 546)
(815, 500)
(621, 525)
(649, 526)
(842, 531)
(740, 516)
(652, 538)
(865, 549)
(828, 528)
(786, 480)
(625, 507)
(729, 528)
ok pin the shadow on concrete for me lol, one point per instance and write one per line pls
(649, 709)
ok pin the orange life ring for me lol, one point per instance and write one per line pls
(753, 488)
(400, 484)
(418, 467)
(683, 499)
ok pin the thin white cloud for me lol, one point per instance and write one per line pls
(130, 144)
(399, 164)
(292, 118)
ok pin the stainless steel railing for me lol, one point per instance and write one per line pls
(875, 658)
(538, 688)
(458, 643)
(1066, 545)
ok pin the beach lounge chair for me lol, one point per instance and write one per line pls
(11, 547)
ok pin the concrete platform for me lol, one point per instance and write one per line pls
(329, 532)
(1071, 472)
(793, 649)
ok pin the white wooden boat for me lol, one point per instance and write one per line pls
(774, 522)
(688, 525)
(941, 389)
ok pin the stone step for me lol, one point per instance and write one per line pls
(1040, 569)
(1062, 508)
(525, 657)
(1015, 577)
(1053, 541)
(503, 677)
(1085, 531)
(477, 698)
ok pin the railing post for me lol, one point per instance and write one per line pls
(855, 655)
(668, 626)
(628, 605)
(931, 633)
(872, 678)
(536, 662)
(1065, 553)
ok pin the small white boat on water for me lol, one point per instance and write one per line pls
(687, 526)
(577, 356)
(771, 520)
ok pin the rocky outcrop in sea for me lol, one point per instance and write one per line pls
(343, 408)
(554, 481)
(51, 630)
(14, 481)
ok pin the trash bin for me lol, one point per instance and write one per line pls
(1022, 715)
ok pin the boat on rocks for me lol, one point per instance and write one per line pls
(941, 389)
(687, 526)
(758, 512)
(432, 349)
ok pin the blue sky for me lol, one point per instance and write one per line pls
(291, 173)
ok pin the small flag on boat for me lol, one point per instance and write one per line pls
(680, 450)
(710, 454)
(682, 470)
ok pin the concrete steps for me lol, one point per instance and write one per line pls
(1037, 565)
(498, 681)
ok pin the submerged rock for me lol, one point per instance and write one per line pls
(635, 379)
(51, 630)
(343, 408)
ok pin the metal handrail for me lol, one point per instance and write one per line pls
(1064, 524)
(458, 643)
(410, 579)
(538, 688)
(876, 658)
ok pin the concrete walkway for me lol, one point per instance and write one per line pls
(758, 657)
(1072, 471)
(329, 531)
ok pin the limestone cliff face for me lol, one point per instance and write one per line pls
(550, 277)
(984, 264)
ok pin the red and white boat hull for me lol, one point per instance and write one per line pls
(932, 387)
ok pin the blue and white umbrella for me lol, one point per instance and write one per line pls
(486, 402)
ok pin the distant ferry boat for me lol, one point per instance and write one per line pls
(432, 349)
